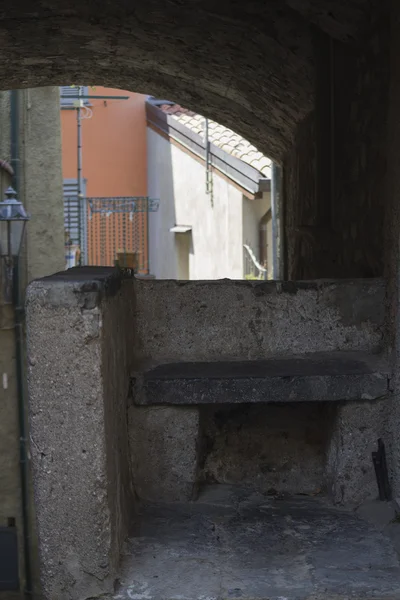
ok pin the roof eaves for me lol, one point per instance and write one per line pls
(234, 168)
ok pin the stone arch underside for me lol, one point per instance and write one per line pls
(247, 64)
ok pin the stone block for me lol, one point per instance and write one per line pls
(355, 432)
(316, 377)
(239, 320)
(164, 446)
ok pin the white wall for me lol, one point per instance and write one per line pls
(162, 252)
(216, 243)
(253, 211)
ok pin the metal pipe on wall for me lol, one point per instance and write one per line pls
(19, 347)
(79, 170)
(14, 137)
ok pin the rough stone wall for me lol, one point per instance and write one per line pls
(164, 450)
(227, 75)
(87, 326)
(361, 154)
(288, 448)
(311, 448)
(276, 448)
(117, 343)
(299, 190)
(356, 428)
(352, 243)
(260, 84)
(392, 255)
(230, 319)
(78, 388)
(307, 448)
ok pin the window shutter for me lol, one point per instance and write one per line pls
(74, 220)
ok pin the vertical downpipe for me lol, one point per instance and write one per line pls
(147, 237)
(275, 214)
(81, 206)
(19, 348)
(14, 137)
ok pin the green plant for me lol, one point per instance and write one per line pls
(252, 277)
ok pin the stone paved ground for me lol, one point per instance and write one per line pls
(232, 543)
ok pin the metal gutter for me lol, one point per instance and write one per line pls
(94, 97)
(264, 184)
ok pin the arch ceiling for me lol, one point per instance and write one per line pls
(245, 63)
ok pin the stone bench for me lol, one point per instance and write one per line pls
(319, 377)
(96, 447)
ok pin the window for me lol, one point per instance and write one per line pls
(72, 92)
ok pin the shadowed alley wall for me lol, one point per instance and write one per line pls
(336, 230)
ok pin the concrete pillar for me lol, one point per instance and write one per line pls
(40, 176)
(79, 368)
(41, 182)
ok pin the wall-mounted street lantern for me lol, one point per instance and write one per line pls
(13, 219)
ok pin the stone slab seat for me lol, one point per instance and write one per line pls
(322, 376)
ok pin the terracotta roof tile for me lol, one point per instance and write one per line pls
(222, 137)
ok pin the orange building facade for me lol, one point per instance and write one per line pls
(114, 170)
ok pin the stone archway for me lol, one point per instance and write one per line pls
(252, 66)
(249, 65)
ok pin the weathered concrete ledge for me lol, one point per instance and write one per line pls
(80, 286)
(239, 320)
(319, 377)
